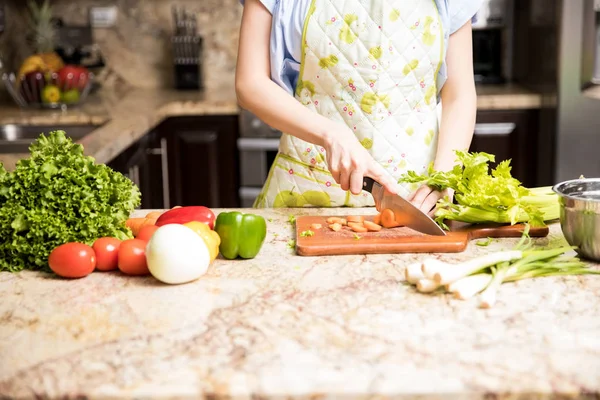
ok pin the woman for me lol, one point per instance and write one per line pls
(354, 86)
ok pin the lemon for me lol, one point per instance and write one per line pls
(51, 94)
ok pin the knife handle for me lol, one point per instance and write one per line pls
(368, 184)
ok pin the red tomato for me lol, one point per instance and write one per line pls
(72, 260)
(146, 232)
(107, 252)
(132, 257)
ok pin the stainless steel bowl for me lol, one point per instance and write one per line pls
(580, 215)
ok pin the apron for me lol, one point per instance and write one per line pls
(371, 65)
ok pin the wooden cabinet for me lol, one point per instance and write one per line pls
(202, 159)
(185, 161)
(513, 135)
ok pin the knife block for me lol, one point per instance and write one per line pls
(187, 62)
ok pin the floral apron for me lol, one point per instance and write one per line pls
(371, 65)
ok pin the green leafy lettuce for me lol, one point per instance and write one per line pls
(59, 195)
(483, 197)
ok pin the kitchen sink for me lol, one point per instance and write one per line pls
(16, 138)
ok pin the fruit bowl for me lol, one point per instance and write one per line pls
(49, 90)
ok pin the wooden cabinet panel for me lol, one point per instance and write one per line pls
(185, 161)
(202, 160)
(510, 135)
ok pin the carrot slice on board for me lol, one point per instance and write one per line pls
(371, 226)
(358, 228)
(377, 219)
(355, 218)
(335, 227)
(388, 219)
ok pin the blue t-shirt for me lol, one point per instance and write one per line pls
(288, 24)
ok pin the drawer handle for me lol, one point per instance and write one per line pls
(134, 175)
(496, 129)
(164, 164)
(249, 192)
(257, 144)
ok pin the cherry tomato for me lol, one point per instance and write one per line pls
(132, 257)
(72, 260)
(146, 232)
(107, 252)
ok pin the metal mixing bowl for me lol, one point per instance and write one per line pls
(580, 215)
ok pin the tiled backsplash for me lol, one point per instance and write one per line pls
(137, 49)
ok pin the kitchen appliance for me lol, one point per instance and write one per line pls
(187, 50)
(580, 215)
(325, 242)
(578, 108)
(492, 42)
(406, 214)
(75, 45)
(257, 145)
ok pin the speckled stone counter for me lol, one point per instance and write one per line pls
(282, 325)
(125, 115)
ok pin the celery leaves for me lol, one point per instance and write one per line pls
(482, 196)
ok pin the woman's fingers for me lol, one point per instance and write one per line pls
(418, 197)
(430, 201)
(380, 175)
(345, 179)
(356, 182)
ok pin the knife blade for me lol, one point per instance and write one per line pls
(406, 213)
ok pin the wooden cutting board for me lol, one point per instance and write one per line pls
(326, 242)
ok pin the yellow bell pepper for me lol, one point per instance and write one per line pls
(210, 237)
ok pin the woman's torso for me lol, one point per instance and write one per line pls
(288, 23)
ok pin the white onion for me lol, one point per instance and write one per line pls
(176, 254)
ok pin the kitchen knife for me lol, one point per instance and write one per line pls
(406, 213)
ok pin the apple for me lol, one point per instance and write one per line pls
(73, 76)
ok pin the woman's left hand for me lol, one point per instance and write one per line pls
(426, 198)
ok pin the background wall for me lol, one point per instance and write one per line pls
(137, 49)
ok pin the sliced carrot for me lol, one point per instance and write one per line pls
(351, 224)
(388, 219)
(316, 226)
(335, 227)
(358, 228)
(355, 218)
(377, 219)
(371, 226)
(336, 220)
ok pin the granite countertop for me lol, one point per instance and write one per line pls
(284, 325)
(125, 115)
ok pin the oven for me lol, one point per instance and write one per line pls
(257, 145)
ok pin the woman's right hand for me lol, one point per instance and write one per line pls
(349, 162)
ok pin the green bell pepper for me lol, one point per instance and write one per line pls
(242, 235)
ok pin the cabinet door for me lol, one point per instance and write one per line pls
(202, 161)
(133, 163)
(509, 135)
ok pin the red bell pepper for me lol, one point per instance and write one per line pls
(183, 215)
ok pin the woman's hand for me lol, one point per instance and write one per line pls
(426, 198)
(349, 162)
